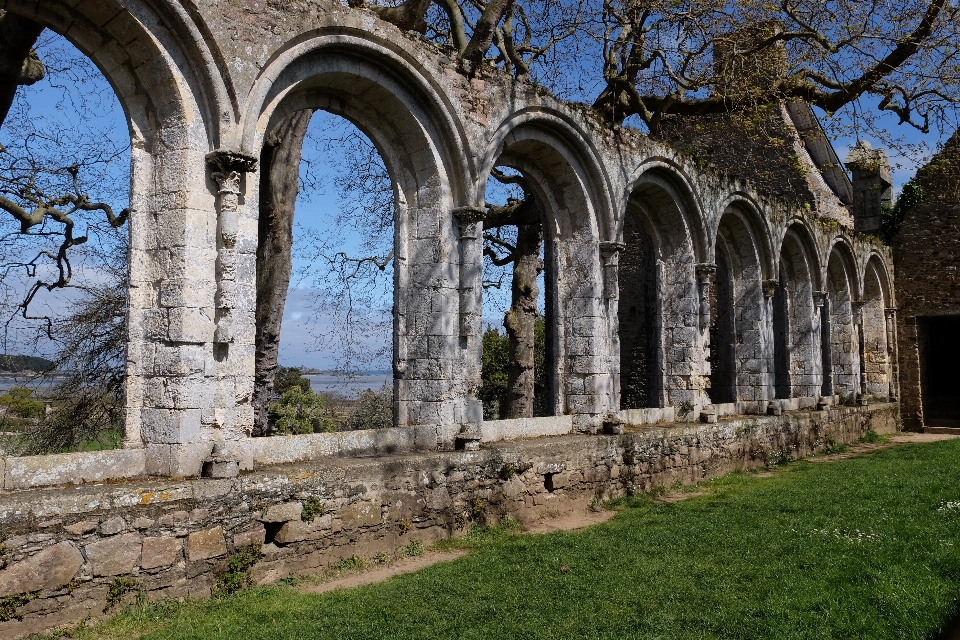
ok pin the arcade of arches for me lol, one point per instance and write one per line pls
(670, 285)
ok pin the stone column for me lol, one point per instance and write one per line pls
(704, 273)
(857, 307)
(893, 374)
(226, 168)
(821, 303)
(769, 290)
(470, 222)
(234, 334)
(610, 263)
(610, 258)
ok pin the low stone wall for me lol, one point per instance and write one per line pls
(64, 548)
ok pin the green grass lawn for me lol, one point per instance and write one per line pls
(867, 547)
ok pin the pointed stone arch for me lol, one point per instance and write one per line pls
(842, 291)
(379, 89)
(666, 279)
(562, 169)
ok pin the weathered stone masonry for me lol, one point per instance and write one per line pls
(202, 88)
(663, 269)
(174, 537)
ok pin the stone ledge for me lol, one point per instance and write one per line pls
(37, 472)
(497, 430)
(29, 472)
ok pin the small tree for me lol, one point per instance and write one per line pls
(373, 410)
(19, 402)
(300, 411)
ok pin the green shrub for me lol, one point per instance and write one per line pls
(313, 507)
(237, 573)
(298, 411)
(19, 402)
(373, 410)
(873, 437)
(10, 604)
(121, 586)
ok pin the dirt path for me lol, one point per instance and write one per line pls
(381, 573)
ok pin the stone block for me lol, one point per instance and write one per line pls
(256, 535)
(113, 526)
(177, 460)
(160, 552)
(361, 514)
(298, 531)
(142, 523)
(81, 528)
(73, 468)
(48, 569)
(283, 512)
(170, 426)
(114, 556)
(189, 325)
(202, 545)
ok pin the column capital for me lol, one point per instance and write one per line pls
(469, 214)
(770, 287)
(610, 249)
(225, 161)
(704, 270)
(819, 297)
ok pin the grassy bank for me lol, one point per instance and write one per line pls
(867, 547)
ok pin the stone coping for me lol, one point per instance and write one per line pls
(30, 472)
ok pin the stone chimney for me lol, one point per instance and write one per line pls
(872, 185)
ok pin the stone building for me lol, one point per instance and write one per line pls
(927, 260)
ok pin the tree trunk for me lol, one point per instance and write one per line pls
(18, 61)
(484, 32)
(519, 321)
(279, 186)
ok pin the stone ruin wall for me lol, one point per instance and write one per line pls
(174, 538)
(928, 270)
(201, 87)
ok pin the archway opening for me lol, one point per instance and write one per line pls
(877, 346)
(638, 315)
(723, 373)
(63, 290)
(797, 370)
(518, 323)
(664, 359)
(737, 361)
(326, 277)
(844, 341)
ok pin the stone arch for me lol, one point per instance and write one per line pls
(664, 242)
(797, 368)
(738, 361)
(877, 332)
(372, 84)
(757, 226)
(562, 169)
(149, 56)
(844, 326)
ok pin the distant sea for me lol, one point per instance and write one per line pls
(349, 386)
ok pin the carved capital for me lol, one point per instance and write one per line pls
(611, 250)
(770, 287)
(470, 220)
(819, 298)
(704, 271)
(890, 312)
(225, 161)
(227, 181)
